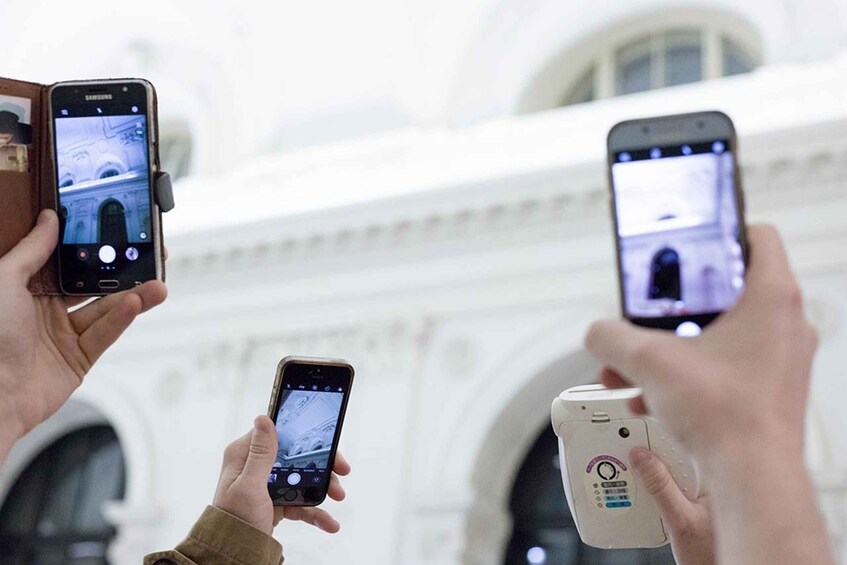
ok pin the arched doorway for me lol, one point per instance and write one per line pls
(543, 531)
(112, 222)
(63, 223)
(664, 275)
(512, 420)
(54, 511)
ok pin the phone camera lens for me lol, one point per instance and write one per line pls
(624, 432)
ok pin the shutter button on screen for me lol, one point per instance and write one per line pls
(107, 254)
(688, 329)
(294, 479)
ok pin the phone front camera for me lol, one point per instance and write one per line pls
(624, 432)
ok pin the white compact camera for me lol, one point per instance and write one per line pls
(596, 432)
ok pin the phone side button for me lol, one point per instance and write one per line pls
(108, 283)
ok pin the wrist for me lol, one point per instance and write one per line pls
(765, 506)
(733, 452)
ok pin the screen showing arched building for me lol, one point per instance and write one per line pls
(678, 230)
(102, 171)
(305, 425)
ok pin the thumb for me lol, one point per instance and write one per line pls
(673, 505)
(262, 453)
(30, 254)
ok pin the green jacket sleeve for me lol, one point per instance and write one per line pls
(219, 538)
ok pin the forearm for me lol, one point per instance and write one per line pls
(222, 539)
(765, 508)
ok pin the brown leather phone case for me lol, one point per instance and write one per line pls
(24, 194)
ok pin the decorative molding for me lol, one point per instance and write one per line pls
(459, 357)
(567, 201)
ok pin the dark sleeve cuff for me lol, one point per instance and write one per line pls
(219, 538)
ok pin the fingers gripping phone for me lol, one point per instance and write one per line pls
(308, 404)
(101, 135)
(679, 219)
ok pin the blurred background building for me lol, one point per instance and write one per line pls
(418, 187)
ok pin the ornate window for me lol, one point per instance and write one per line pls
(544, 532)
(661, 59)
(54, 511)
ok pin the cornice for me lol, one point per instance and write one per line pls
(779, 170)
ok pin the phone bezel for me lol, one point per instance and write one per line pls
(152, 143)
(678, 129)
(289, 363)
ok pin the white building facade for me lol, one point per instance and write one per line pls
(397, 185)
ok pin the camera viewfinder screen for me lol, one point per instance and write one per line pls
(677, 223)
(307, 422)
(103, 180)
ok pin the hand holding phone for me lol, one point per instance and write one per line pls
(103, 151)
(736, 399)
(45, 350)
(308, 404)
(242, 489)
(678, 214)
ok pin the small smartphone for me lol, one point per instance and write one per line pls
(308, 404)
(102, 147)
(678, 213)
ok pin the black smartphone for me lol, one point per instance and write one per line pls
(678, 213)
(308, 404)
(103, 154)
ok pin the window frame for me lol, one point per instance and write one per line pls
(91, 439)
(604, 65)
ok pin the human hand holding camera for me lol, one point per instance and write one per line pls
(735, 397)
(45, 351)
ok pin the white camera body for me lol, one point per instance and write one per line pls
(596, 431)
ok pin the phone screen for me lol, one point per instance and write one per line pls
(101, 144)
(677, 221)
(311, 406)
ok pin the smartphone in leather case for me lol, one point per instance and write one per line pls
(75, 142)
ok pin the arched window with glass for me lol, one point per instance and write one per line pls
(54, 511)
(661, 59)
